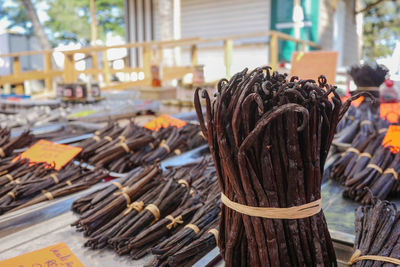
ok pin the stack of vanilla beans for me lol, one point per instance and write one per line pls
(171, 214)
(8, 144)
(269, 137)
(377, 229)
(359, 120)
(368, 164)
(120, 149)
(24, 183)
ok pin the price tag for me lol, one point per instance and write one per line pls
(392, 138)
(163, 121)
(55, 255)
(46, 151)
(390, 112)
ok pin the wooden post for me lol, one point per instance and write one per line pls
(228, 49)
(95, 64)
(273, 51)
(19, 88)
(47, 68)
(303, 47)
(106, 68)
(193, 55)
(69, 68)
(147, 62)
(94, 22)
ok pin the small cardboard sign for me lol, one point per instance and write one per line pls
(55, 255)
(392, 138)
(163, 121)
(46, 151)
(390, 112)
(310, 65)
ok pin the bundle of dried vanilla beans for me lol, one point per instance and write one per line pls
(8, 144)
(377, 240)
(24, 184)
(269, 137)
(122, 149)
(150, 211)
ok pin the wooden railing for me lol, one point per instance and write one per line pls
(150, 53)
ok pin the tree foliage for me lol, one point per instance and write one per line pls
(69, 20)
(381, 29)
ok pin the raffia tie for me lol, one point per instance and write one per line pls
(124, 194)
(215, 233)
(393, 172)
(383, 130)
(108, 138)
(154, 210)
(96, 138)
(365, 154)
(124, 146)
(9, 177)
(374, 166)
(357, 257)
(296, 212)
(354, 150)
(11, 194)
(183, 183)
(174, 221)
(193, 227)
(365, 122)
(165, 146)
(55, 178)
(137, 205)
(68, 182)
(97, 133)
(122, 138)
(2, 154)
(48, 195)
(118, 185)
(202, 135)
(177, 151)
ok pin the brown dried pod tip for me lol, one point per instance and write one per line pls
(269, 138)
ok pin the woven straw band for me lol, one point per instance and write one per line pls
(109, 139)
(165, 146)
(137, 205)
(183, 182)
(9, 176)
(365, 154)
(177, 151)
(357, 257)
(193, 227)
(11, 194)
(124, 146)
(374, 166)
(352, 149)
(367, 88)
(48, 195)
(2, 154)
(96, 138)
(174, 221)
(118, 185)
(365, 122)
(382, 130)
(16, 181)
(68, 182)
(154, 210)
(122, 138)
(97, 133)
(55, 178)
(393, 172)
(215, 233)
(296, 212)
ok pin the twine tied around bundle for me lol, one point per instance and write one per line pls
(193, 227)
(357, 257)
(296, 212)
(174, 221)
(137, 205)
